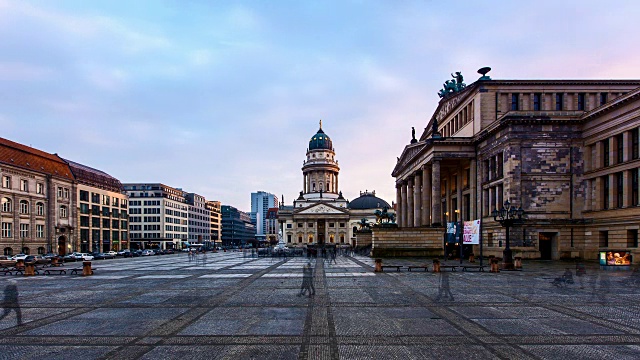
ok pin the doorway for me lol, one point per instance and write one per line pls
(62, 248)
(545, 245)
(321, 230)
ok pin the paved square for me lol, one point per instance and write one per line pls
(236, 307)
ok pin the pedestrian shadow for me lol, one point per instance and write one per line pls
(10, 303)
(444, 287)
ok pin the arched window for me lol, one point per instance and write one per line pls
(313, 185)
(41, 250)
(63, 211)
(355, 229)
(24, 207)
(310, 239)
(39, 209)
(331, 238)
(25, 250)
(6, 205)
(300, 239)
(341, 239)
(320, 186)
(8, 251)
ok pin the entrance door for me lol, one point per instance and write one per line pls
(62, 248)
(321, 230)
(545, 244)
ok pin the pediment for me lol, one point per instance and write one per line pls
(409, 152)
(322, 209)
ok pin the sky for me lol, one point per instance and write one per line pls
(221, 97)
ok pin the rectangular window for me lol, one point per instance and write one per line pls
(605, 189)
(559, 99)
(300, 225)
(537, 101)
(635, 143)
(84, 195)
(95, 222)
(6, 230)
(106, 235)
(603, 98)
(95, 210)
(84, 221)
(95, 198)
(581, 97)
(604, 239)
(63, 211)
(115, 235)
(40, 231)
(331, 225)
(105, 211)
(6, 182)
(634, 187)
(605, 152)
(115, 224)
(105, 200)
(39, 188)
(310, 225)
(24, 185)
(84, 209)
(619, 190)
(84, 235)
(619, 149)
(115, 201)
(65, 192)
(341, 225)
(632, 238)
(24, 230)
(515, 102)
(60, 192)
(288, 237)
(289, 226)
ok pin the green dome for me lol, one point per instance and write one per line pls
(320, 141)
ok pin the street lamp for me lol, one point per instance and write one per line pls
(507, 217)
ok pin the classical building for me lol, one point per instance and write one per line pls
(199, 230)
(215, 221)
(566, 151)
(102, 210)
(321, 215)
(37, 193)
(261, 201)
(158, 216)
(273, 227)
(237, 228)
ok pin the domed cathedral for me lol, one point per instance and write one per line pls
(321, 215)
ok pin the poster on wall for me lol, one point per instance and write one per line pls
(615, 258)
(471, 235)
(451, 232)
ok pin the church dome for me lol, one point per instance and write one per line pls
(367, 200)
(320, 141)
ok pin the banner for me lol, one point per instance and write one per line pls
(471, 234)
(451, 233)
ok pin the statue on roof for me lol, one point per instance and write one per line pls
(413, 135)
(452, 86)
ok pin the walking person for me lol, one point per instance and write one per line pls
(333, 257)
(307, 281)
(444, 289)
(10, 302)
(581, 271)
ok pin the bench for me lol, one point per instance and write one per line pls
(53, 271)
(6, 271)
(77, 271)
(452, 267)
(392, 266)
(425, 267)
(480, 268)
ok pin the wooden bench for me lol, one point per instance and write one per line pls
(425, 267)
(480, 268)
(391, 266)
(77, 271)
(53, 271)
(452, 267)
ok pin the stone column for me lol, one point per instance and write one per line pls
(473, 190)
(588, 196)
(613, 186)
(436, 196)
(626, 186)
(399, 204)
(410, 206)
(417, 197)
(403, 203)
(459, 194)
(598, 195)
(626, 147)
(426, 195)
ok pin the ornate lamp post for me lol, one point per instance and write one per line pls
(507, 217)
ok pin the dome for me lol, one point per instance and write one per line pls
(320, 141)
(366, 201)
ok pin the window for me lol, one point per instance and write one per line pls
(619, 190)
(95, 222)
(310, 225)
(24, 207)
(559, 99)
(604, 239)
(105, 199)
(39, 188)
(95, 210)
(299, 238)
(300, 225)
(84, 221)
(24, 230)
(6, 182)
(24, 185)
(342, 225)
(95, 198)
(84, 195)
(537, 101)
(63, 211)
(632, 238)
(603, 98)
(6, 205)
(115, 202)
(84, 209)
(289, 238)
(40, 209)
(605, 188)
(105, 211)
(634, 187)
(514, 102)
(40, 231)
(106, 235)
(65, 192)
(6, 230)
(619, 149)
(635, 142)
(581, 101)
(60, 192)
(115, 224)
(331, 225)
(605, 152)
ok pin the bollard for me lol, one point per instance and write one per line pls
(495, 266)
(54, 261)
(517, 263)
(378, 267)
(436, 265)
(29, 269)
(86, 268)
(20, 263)
(472, 258)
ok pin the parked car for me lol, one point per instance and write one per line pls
(112, 253)
(147, 253)
(19, 257)
(85, 256)
(159, 252)
(169, 251)
(122, 252)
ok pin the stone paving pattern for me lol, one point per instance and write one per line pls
(236, 307)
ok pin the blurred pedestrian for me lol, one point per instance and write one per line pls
(10, 302)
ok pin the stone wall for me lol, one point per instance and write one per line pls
(407, 242)
(363, 238)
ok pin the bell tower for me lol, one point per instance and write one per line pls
(320, 169)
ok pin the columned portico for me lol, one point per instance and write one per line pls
(417, 197)
(426, 195)
(436, 195)
(410, 208)
(403, 205)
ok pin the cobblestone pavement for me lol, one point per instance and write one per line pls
(232, 307)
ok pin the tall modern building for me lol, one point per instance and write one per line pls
(199, 219)
(237, 228)
(215, 221)
(158, 216)
(261, 201)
